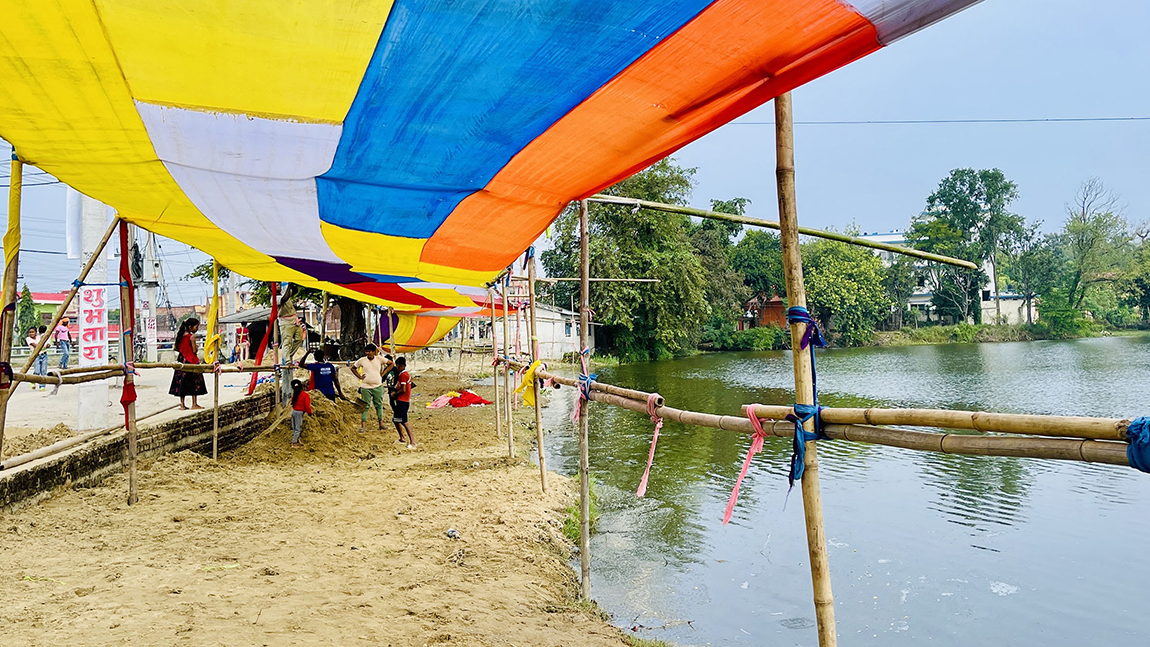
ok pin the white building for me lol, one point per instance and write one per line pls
(557, 328)
(1013, 305)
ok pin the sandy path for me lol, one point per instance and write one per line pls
(342, 543)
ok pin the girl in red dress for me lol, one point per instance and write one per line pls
(186, 383)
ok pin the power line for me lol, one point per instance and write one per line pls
(905, 122)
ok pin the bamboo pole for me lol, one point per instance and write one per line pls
(275, 337)
(68, 443)
(11, 265)
(535, 381)
(323, 321)
(391, 326)
(127, 328)
(495, 366)
(770, 224)
(1007, 423)
(462, 335)
(514, 397)
(215, 373)
(507, 380)
(1068, 449)
(630, 394)
(562, 278)
(584, 450)
(804, 371)
(68, 379)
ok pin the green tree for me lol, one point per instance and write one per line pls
(955, 289)
(1036, 266)
(759, 257)
(899, 283)
(1136, 284)
(1095, 240)
(639, 321)
(845, 289)
(25, 313)
(975, 204)
(712, 239)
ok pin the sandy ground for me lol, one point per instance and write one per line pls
(343, 542)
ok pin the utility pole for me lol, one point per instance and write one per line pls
(150, 280)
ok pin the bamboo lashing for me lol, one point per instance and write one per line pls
(770, 224)
(535, 358)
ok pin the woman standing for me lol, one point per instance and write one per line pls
(184, 383)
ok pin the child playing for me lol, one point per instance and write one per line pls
(402, 401)
(300, 404)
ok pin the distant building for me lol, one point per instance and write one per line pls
(1013, 304)
(762, 310)
(557, 329)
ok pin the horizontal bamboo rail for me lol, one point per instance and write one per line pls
(67, 443)
(1006, 423)
(1087, 450)
(595, 386)
(1082, 448)
(771, 224)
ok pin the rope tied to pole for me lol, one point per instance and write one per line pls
(1138, 453)
(652, 401)
(812, 338)
(584, 384)
(757, 439)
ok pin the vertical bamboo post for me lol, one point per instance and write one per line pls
(804, 378)
(392, 324)
(462, 335)
(323, 321)
(11, 265)
(507, 377)
(275, 337)
(127, 329)
(535, 382)
(584, 451)
(514, 397)
(495, 366)
(216, 374)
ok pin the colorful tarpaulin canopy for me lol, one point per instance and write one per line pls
(403, 152)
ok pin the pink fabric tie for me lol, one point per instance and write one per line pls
(651, 400)
(756, 447)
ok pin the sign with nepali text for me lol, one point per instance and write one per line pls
(93, 326)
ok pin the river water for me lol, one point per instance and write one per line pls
(925, 548)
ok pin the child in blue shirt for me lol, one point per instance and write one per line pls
(324, 375)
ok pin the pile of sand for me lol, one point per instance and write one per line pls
(22, 444)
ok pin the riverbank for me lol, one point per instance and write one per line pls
(344, 541)
(979, 333)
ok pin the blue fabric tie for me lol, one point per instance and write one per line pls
(811, 338)
(1138, 453)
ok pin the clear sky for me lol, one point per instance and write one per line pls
(997, 59)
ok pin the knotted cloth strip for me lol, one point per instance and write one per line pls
(812, 338)
(756, 447)
(584, 385)
(528, 381)
(651, 411)
(1138, 453)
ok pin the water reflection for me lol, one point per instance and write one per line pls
(950, 549)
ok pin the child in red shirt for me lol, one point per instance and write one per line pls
(300, 404)
(402, 403)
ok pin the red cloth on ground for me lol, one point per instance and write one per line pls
(466, 399)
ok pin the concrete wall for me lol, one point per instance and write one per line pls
(86, 464)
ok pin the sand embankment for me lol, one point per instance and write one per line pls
(342, 542)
